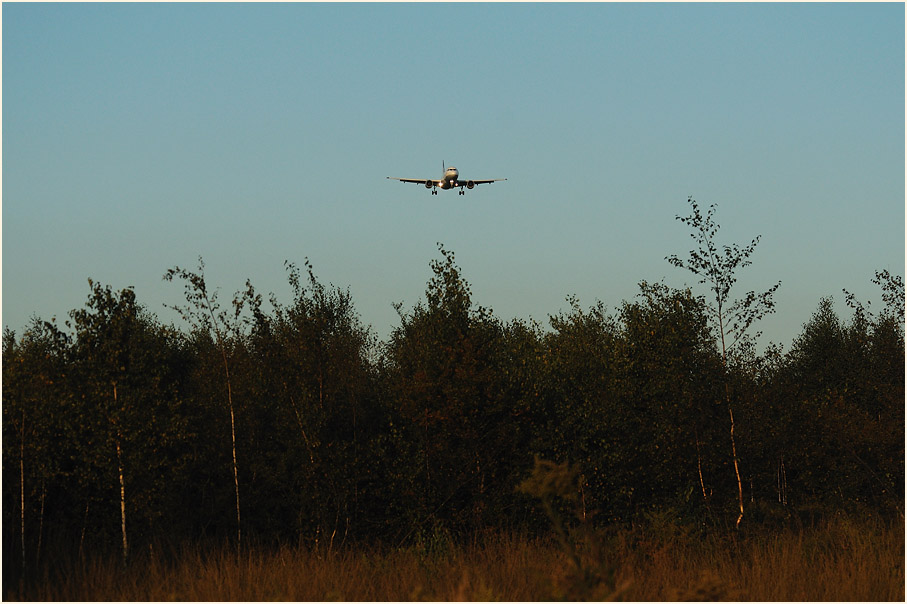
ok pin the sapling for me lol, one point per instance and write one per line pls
(732, 318)
(204, 314)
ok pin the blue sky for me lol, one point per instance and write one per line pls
(137, 137)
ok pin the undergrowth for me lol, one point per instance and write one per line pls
(841, 559)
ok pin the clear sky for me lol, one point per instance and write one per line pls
(137, 137)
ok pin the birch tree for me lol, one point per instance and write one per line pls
(717, 269)
(204, 314)
(33, 392)
(105, 331)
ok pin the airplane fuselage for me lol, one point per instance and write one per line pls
(450, 178)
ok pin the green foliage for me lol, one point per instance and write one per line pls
(444, 372)
(309, 441)
(892, 295)
(423, 440)
(204, 314)
(845, 411)
(631, 399)
(125, 366)
(718, 269)
(34, 373)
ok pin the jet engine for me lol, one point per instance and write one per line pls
(470, 184)
(428, 184)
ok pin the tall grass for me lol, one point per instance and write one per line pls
(840, 560)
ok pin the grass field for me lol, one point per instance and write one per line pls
(841, 559)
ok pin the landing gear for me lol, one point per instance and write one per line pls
(434, 192)
(462, 192)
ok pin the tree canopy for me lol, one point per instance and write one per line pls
(119, 431)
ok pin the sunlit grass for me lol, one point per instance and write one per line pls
(840, 560)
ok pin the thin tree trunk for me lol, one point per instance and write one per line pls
(84, 525)
(302, 430)
(736, 468)
(223, 351)
(782, 482)
(320, 385)
(122, 484)
(705, 496)
(582, 492)
(727, 392)
(235, 468)
(22, 487)
(122, 501)
(41, 523)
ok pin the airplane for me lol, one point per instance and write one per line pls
(451, 180)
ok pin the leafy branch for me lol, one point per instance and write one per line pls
(892, 295)
(718, 268)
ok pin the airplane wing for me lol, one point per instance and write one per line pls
(418, 181)
(484, 182)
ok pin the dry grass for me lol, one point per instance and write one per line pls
(839, 561)
(842, 560)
